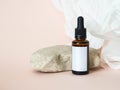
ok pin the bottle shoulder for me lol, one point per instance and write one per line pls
(80, 43)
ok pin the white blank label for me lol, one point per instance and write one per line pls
(79, 58)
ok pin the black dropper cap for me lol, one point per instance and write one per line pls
(80, 31)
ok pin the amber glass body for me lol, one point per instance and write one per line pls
(82, 43)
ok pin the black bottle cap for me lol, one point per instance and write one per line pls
(80, 31)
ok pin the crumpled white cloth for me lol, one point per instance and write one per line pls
(111, 53)
(102, 20)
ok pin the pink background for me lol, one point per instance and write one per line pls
(28, 25)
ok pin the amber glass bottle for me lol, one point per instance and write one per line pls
(80, 50)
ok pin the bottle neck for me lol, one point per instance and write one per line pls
(81, 39)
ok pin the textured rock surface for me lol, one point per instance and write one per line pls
(58, 58)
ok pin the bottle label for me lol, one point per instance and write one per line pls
(79, 58)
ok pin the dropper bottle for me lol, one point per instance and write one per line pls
(80, 50)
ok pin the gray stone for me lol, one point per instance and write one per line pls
(58, 58)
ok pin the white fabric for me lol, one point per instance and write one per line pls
(111, 53)
(102, 20)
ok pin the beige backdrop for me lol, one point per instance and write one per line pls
(26, 26)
